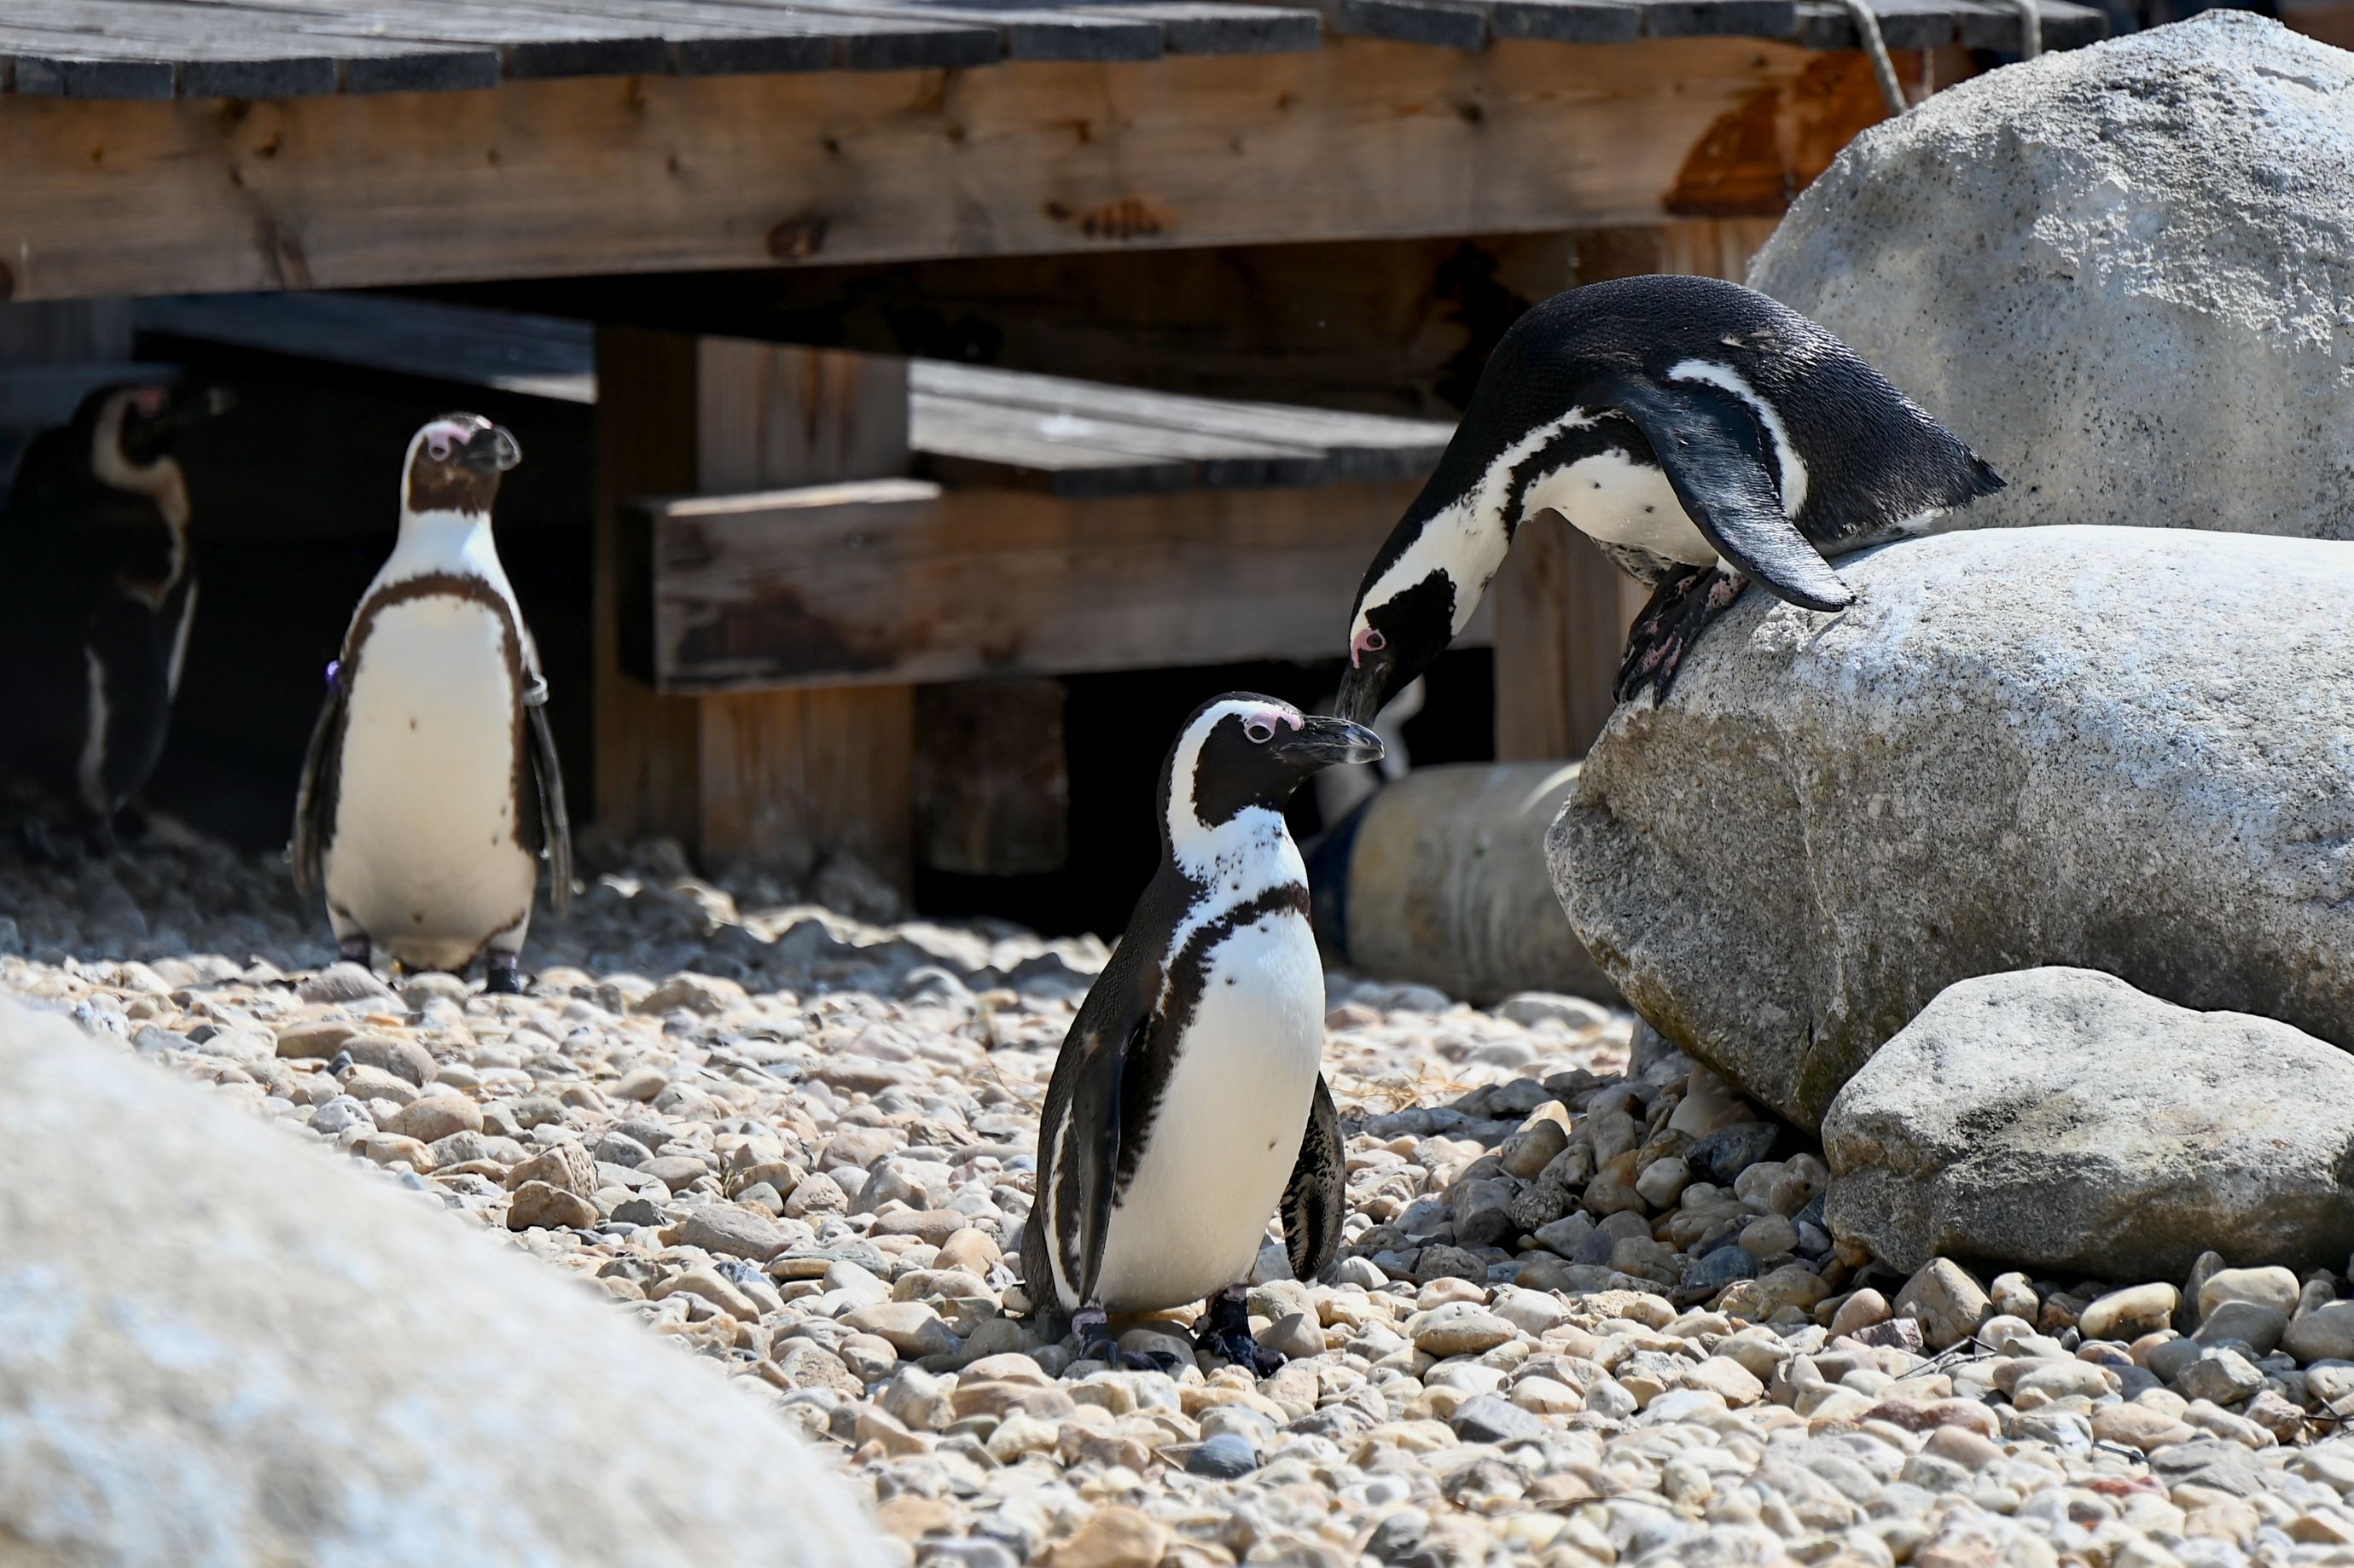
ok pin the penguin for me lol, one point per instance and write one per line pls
(431, 787)
(1703, 435)
(1188, 1102)
(98, 591)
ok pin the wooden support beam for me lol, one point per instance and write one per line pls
(773, 775)
(1558, 633)
(1361, 139)
(901, 582)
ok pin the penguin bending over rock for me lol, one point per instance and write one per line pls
(1703, 434)
(98, 591)
(1187, 1102)
(431, 785)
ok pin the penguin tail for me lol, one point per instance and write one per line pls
(1983, 479)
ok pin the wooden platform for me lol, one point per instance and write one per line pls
(151, 49)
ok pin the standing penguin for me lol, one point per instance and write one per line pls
(98, 590)
(431, 784)
(1703, 435)
(1187, 1102)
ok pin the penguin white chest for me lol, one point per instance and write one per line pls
(1609, 497)
(1226, 1132)
(424, 855)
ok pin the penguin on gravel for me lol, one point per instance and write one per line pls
(430, 788)
(98, 591)
(1703, 434)
(1187, 1103)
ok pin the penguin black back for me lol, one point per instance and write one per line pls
(1682, 423)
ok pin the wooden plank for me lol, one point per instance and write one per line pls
(992, 784)
(539, 356)
(1042, 34)
(665, 174)
(1974, 25)
(1433, 23)
(1190, 29)
(218, 50)
(890, 584)
(768, 775)
(1566, 21)
(1354, 446)
(969, 442)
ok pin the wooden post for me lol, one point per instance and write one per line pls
(1559, 628)
(786, 775)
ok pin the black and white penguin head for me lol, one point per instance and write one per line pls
(132, 429)
(1241, 753)
(1419, 593)
(455, 463)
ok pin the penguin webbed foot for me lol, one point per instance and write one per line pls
(1679, 609)
(1225, 1332)
(1092, 1328)
(503, 976)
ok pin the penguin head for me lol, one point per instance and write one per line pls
(455, 463)
(134, 427)
(1243, 750)
(1404, 619)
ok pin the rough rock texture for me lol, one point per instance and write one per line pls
(2115, 748)
(215, 1354)
(2121, 272)
(2061, 1120)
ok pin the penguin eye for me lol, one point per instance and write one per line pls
(438, 449)
(1259, 731)
(1373, 642)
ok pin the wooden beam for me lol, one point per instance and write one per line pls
(902, 582)
(1558, 634)
(783, 776)
(1358, 140)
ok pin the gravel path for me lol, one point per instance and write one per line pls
(1586, 1314)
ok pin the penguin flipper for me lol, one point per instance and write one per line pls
(555, 819)
(1093, 1118)
(1714, 453)
(314, 797)
(1315, 1200)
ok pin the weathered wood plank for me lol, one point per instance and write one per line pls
(897, 583)
(1353, 446)
(1191, 28)
(216, 50)
(1558, 633)
(762, 774)
(540, 356)
(549, 178)
(968, 442)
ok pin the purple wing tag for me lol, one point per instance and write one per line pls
(336, 676)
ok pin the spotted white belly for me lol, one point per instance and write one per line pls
(423, 854)
(1227, 1131)
(1608, 498)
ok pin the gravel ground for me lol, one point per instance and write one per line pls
(1586, 1312)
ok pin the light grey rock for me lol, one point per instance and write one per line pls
(2077, 263)
(2061, 1120)
(215, 1356)
(2109, 747)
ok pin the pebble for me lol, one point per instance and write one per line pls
(1580, 1317)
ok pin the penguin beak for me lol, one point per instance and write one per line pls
(1363, 687)
(494, 452)
(1327, 742)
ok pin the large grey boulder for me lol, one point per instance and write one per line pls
(223, 1347)
(2124, 273)
(2122, 749)
(2059, 1121)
